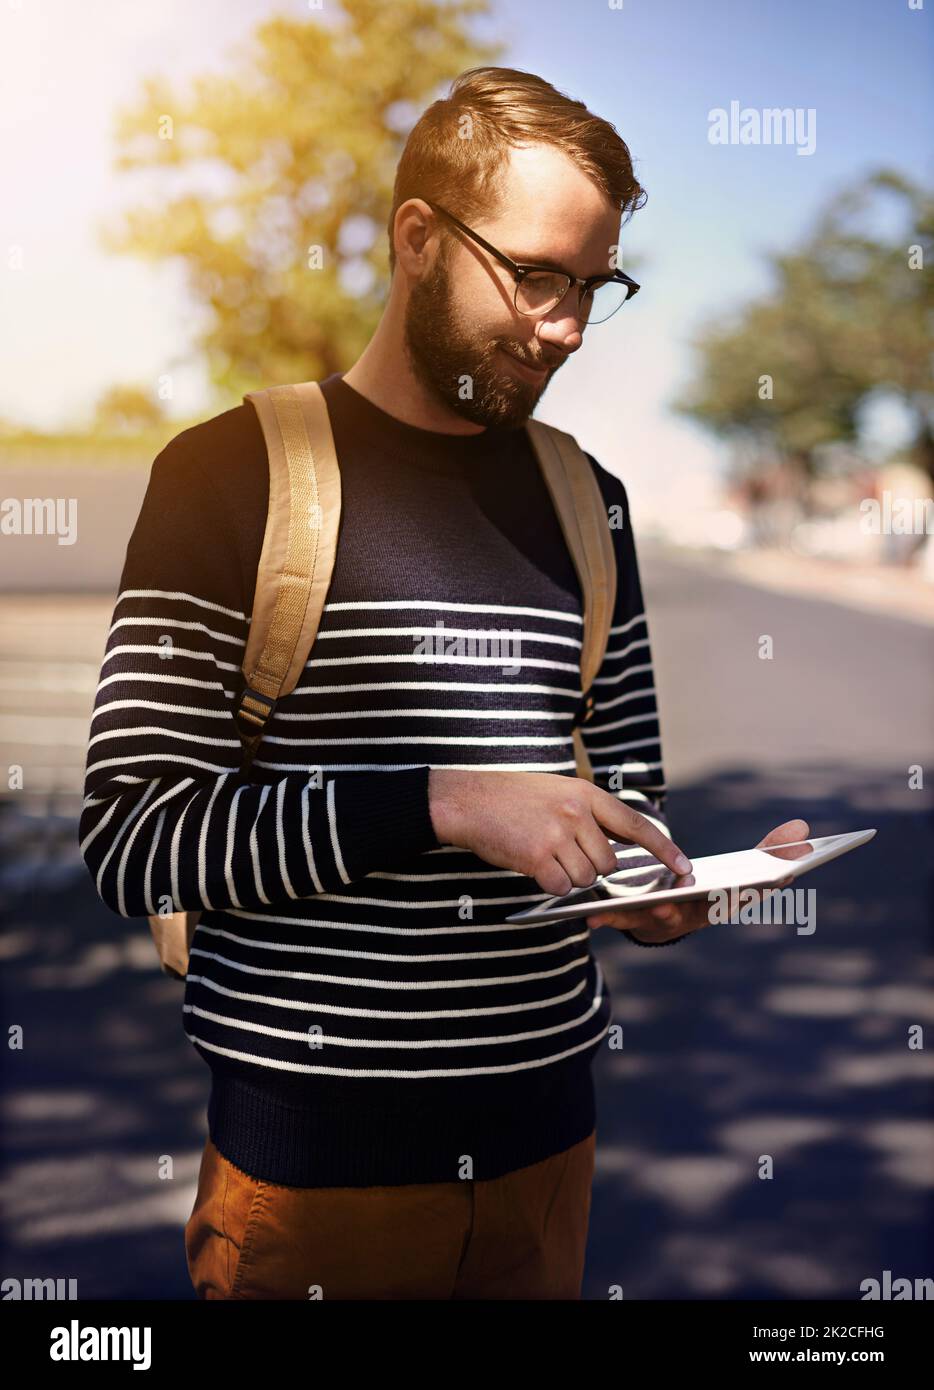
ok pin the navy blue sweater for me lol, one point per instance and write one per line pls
(368, 1015)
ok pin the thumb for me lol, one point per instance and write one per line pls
(786, 834)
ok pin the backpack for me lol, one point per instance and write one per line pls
(297, 561)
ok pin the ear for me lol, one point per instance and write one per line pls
(416, 236)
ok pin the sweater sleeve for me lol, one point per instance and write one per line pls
(622, 736)
(168, 821)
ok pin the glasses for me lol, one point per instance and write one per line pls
(539, 289)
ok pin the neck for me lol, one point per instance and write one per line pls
(383, 374)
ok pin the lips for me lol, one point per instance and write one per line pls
(531, 371)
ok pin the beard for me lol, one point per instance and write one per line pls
(443, 351)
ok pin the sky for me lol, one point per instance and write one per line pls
(76, 320)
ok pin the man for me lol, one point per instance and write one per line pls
(401, 1101)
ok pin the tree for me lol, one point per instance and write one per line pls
(279, 180)
(126, 410)
(850, 314)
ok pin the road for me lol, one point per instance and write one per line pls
(765, 1131)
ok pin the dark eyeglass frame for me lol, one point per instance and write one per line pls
(520, 270)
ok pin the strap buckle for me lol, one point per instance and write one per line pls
(255, 708)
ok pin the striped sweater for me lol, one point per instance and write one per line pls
(367, 1013)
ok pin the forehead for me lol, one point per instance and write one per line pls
(550, 207)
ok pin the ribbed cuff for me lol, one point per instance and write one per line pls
(382, 818)
(637, 942)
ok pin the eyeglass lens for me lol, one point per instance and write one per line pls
(539, 291)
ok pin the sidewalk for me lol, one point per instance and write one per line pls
(900, 593)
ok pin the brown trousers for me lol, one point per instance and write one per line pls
(520, 1236)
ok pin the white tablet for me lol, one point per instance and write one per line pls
(649, 882)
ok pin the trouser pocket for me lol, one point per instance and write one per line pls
(217, 1233)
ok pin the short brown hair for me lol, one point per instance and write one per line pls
(504, 107)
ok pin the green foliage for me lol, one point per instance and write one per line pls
(295, 150)
(848, 316)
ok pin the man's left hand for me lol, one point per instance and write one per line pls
(659, 924)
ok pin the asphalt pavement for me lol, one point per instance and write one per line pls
(765, 1129)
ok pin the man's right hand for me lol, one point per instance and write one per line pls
(551, 828)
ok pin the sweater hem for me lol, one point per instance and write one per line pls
(369, 1139)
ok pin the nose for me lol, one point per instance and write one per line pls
(562, 329)
(563, 326)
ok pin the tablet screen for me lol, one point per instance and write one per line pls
(643, 875)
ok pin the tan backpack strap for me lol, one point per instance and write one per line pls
(299, 546)
(582, 512)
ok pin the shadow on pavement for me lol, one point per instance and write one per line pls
(741, 1042)
(747, 1041)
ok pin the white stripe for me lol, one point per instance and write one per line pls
(601, 706)
(405, 1015)
(415, 903)
(121, 868)
(332, 826)
(152, 621)
(438, 659)
(400, 1075)
(435, 740)
(437, 713)
(203, 844)
(191, 711)
(139, 730)
(450, 958)
(435, 605)
(484, 687)
(179, 594)
(358, 928)
(401, 1044)
(165, 679)
(306, 840)
(173, 758)
(231, 841)
(280, 841)
(637, 768)
(92, 836)
(558, 766)
(355, 982)
(147, 877)
(624, 651)
(472, 634)
(451, 873)
(595, 748)
(254, 847)
(152, 649)
(593, 728)
(624, 627)
(174, 852)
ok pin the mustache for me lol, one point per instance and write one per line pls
(537, 363)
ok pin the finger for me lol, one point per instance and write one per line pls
(626, 824)
(787, 833)
(597, 848)
(576, 865)
(629, 917)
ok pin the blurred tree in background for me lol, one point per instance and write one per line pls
(850, 316)
(279, 175)
(126, 410)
